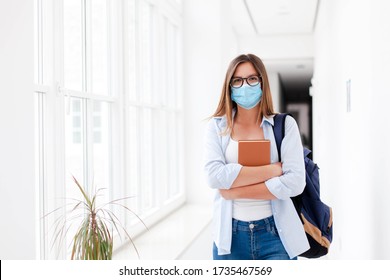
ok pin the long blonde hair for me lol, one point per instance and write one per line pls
(226, 105)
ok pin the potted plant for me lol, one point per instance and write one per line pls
(93, 239)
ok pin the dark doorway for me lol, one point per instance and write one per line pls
(296, 100)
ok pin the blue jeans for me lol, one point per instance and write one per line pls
(258, 240)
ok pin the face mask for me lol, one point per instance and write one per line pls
(246, 96)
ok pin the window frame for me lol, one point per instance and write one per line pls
(52, 97)
(159, 9)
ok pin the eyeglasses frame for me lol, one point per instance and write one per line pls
(246, 81)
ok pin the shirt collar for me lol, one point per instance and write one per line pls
(269, 119)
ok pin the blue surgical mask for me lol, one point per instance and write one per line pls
(246, 96)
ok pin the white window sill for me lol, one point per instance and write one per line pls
(168, 239)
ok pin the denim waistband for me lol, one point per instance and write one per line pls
(265, 223)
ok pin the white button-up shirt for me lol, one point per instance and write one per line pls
(221, 175)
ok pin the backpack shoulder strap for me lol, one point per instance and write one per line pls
(279, 131)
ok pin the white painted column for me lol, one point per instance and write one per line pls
(17, 174)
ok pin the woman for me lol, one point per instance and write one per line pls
(254, 217)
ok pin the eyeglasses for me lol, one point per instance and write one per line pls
(237, 82)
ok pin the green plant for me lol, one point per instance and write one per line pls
(94, 237)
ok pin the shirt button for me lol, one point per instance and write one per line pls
(280, 230)
(251, 226)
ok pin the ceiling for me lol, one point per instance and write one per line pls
(275, 17)
(279, 18)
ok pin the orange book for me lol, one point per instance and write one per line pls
(254, 152)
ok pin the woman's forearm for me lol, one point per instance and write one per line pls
(250, 175)
(255, 191)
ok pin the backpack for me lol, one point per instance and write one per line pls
(315, 215)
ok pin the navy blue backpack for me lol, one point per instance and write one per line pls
(315, 215)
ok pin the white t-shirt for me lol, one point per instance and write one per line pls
(246, 209)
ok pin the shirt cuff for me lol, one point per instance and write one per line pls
(229, 174)
(275, 186)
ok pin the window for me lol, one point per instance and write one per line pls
(111, 112)
(154, 108)
(87, 59)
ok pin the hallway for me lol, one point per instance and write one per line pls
(126, 104)
(345, 45)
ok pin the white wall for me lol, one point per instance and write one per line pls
(380, 155)
(17, 193)
(350, 146)
(209, 45)
(274, 81)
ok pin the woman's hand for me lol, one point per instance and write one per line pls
(256, 191)
(277, 169)
(250, 175)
